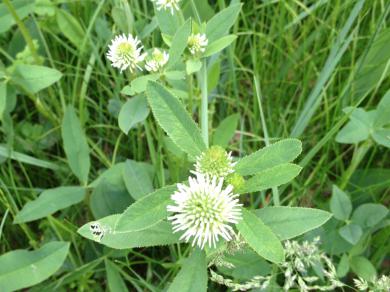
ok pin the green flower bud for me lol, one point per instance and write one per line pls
(215, 161)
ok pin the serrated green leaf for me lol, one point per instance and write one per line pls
(278, 153)
(272, 177)
(225, 130)
(22, 268)
(49, 202)
(179, 43)
(34, 78)
(75, 145)
(137, 180)
(260, 237)
(219, 45)
(351, 233)
(290, 222)
(220, 24)
(340, 204)
(193, 274)
(174, 119)
(146, 212)
(368, 215)
(134, 111)
(159, 234)
(114, 279)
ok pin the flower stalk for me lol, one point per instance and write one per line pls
(204, 122)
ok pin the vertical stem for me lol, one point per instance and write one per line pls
(204, 122)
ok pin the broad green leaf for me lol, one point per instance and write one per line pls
(219, 45)
(272, 177)
(70, 27)
(225, 130)
(382, 137)
(138, 85)
(33, 78)
(75, 145)
(220, 24)
(159, 234)
(114, 279)
(174, 119)
(146, 212)
(260, 237)
(3, 98)
(179, 43)
(49, 202)
(368, 215)
(351, 233)
(278, 153)
(168, 23)
(193, 66)
(137, 180)
(383, 111)
(353, 132)
(134, 111)
(362, 267)
(22, 268)
(22, 8)
(193, 274)
(290, 222)
(340, 204)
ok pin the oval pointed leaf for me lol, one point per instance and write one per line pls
(351, 233)
(134, 111)
(340, 204)
(146, 212)
(278, 153)
(272, 177)
(290, 222)
(159, 234)
(174, 119)
(50, 201)
(193, 274)
(22, 268)
(75, 145)
(260, 237)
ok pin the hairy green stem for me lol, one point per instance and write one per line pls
(204, 122)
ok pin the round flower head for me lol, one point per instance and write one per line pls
(197, 43)
(214, 162)
(157, 60)
(172, 5)
(125, 52)
(204, 210)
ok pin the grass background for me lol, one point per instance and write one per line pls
(286, 48)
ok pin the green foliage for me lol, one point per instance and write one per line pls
(137, 180)
(225, 130)
(193, 274)
(50, 201)
(114, 279)
(70, 27)
(219, 45)
(179, 43)
(134, 111)
(362, 267)
(267, 245)
(22, 268)
(340, 204)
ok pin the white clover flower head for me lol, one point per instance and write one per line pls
(197, 43)
(215, 161)
(204, 210)
(172, 5)
(125, 52)
(157, 60)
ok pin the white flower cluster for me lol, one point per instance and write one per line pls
(172, 5)
(375, 285)
(125, 52)
(197, 43)
(300, 260)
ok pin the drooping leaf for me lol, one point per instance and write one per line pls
(362, 267)
(260, 237)
(280, 152)
(49, 202)
(34, 78)
(219, 45)
(159, 234)
(75, 145)
(70, 27)
(174, 119)
(225, 130)
(351, 233)
(272, 177)
(340, 204)
(22, 268)
(179, 43)
(137, 180)
(146, 212)
(220, 24)
(193, 274)
(114, 279)
(134, 111)
(368, 215)
(290, 222)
